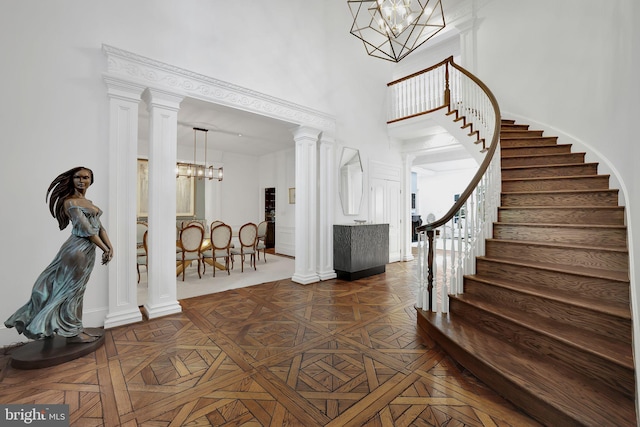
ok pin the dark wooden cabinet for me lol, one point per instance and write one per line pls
(360, 250)
(270, 215)
(270, 241)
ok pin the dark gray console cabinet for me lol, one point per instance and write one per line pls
(360, 250)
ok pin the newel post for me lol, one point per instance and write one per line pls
(430, 234)
(447, 91)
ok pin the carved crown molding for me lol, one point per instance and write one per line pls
(131, 67)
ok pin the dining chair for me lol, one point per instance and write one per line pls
(141, 228)
(214, 223)
(142, 258)
(247, 236)
(261, 240)
(191, 238)
(197, 222)
(220, 247)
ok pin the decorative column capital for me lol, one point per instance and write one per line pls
(302, 133)
(162, 98)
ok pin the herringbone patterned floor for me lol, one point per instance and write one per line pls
(334, 353)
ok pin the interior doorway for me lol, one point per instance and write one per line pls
(386, 203)
(270, 216)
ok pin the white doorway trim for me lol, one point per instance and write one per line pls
(127, 76)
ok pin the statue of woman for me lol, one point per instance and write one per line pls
(55, 306)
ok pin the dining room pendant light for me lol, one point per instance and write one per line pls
(195, 169)
(392, 29)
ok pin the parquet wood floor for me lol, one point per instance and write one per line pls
(333, 353)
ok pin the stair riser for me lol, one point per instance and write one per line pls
(585, 198)
(578, 257)
(506, 142)
(507, 152)
(520, 133)
(513, 126)
(600, 182)
(589, 169)
(591, 321)
(593, 237)
(551, 159)
(572, 215)
(548, 348)
(602, 291)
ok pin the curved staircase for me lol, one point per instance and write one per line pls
(546, 320)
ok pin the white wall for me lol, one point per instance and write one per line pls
(435, 192)
(278, 170)
(54, 113)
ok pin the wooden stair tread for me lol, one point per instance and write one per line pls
(547, 166)
(561, 245)
(589, 402)
(561, 225)
(618, 208)
(583, 214)
(509, 148)
(535, 156)
(543, 178)
(615, 276)
(620, 311)
(613, 351)
(607, 190)
(521, 137)
(554, 165)
(618, 276)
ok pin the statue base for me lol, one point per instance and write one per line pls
(53, 351)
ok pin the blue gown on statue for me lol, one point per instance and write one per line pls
(55, 306)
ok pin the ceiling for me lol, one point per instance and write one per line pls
(237, 131)
(230, 129)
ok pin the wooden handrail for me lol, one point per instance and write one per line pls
(413, 100)
(487, 159)
(417, 73)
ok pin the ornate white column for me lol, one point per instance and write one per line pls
(306, 139)
(120, 220)
(326, 199)
(407, 161)
(163, 127)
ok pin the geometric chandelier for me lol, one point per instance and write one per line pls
(196, 170)
(392, 29)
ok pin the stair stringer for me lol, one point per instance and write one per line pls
(438, 118)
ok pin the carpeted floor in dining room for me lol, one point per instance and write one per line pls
(332, 353)
(276, 267)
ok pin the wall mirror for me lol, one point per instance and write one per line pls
(351, 181)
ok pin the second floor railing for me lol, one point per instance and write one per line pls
(453, 241)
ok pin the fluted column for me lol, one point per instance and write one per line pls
(163, 127)
(326, 201)
(306, 140)
(120, 220)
